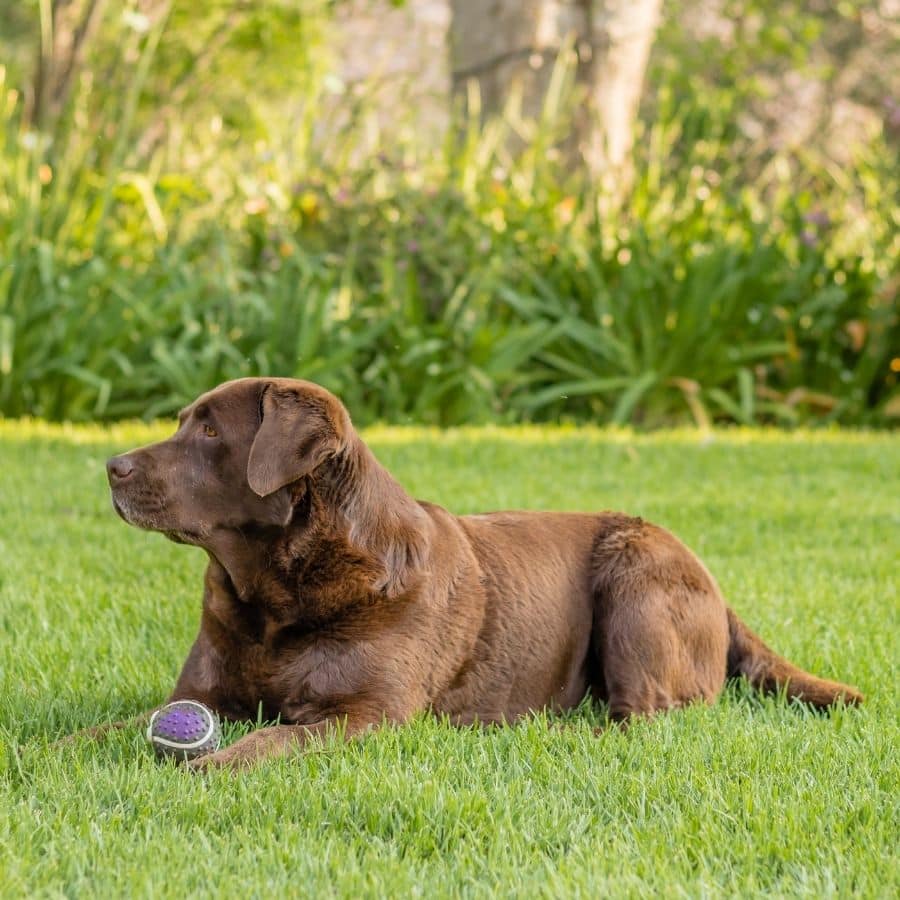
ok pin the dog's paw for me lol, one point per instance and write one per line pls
(250, 749)
(228, 758)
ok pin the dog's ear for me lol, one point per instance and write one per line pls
(298, 432)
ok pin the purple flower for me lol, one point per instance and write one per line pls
(818, 217)
(412, 246)
(808, 238)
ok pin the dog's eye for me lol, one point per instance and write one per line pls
(209, 431)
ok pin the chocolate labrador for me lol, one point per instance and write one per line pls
(334, 600)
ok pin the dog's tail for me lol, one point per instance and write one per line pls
(766, 670)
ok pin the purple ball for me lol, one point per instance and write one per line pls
(184, 730)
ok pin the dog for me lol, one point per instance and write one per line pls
(335, 602)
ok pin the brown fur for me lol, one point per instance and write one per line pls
(332, 597)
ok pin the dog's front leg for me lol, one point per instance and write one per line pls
(280, 740)
(105, 729)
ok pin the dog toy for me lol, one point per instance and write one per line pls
(184, 730)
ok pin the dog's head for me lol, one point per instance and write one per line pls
(235, 461)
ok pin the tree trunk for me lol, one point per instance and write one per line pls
(67, 28)
(500, 42)
(620, 34)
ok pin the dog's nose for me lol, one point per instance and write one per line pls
(119, 468)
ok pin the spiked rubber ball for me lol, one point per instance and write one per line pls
(184, 730)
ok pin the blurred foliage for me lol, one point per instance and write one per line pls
(212, 202)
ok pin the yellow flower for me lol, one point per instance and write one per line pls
(309, 203)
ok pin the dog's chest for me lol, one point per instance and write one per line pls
(277, 664)
(299, 682)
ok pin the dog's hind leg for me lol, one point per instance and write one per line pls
(660, 624)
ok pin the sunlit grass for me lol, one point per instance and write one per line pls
(752, 796)
(137, 431)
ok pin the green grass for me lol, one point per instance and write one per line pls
(751, 796)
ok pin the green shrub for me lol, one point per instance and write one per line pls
(466, 283)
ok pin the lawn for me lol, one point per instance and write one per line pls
(751, 796)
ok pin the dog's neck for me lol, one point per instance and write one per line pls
(378, 516)
(351, 500)
(243, 556)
